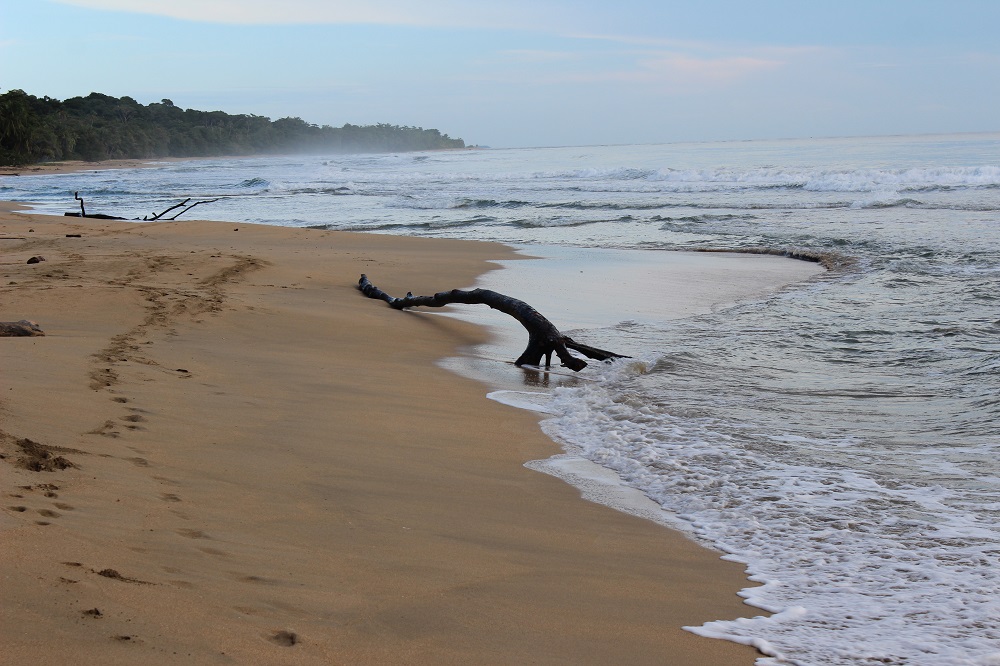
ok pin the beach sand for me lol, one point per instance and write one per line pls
(72, 166)
(269, 468)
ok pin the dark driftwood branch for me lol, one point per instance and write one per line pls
(83, 211)
(156, 216)
(543, 337)
(19, 329)
(196, 203)
(159, 216)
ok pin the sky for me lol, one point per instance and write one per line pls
(521, 73)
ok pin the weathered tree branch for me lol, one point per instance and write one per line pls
(196, 203)
(156, 216)
(159, 216)
(83, 211)
(543, 337)
(148, 218)
(19, 329)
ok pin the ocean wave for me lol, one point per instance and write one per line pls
(857, 568)
(489, 203)
(810, 179)
(832, 261)
(340, 190)
(890, 200)
(254, 183)
(707, 217)
(606, 205)
(425, 225)
(615, 173)
(544, 223)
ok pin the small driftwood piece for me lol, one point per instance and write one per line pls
(543, 337)
(19, 329)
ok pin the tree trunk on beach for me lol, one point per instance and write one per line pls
(149, 218)
(18, 329)
(543, 337)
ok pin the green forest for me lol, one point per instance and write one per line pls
(100, 127)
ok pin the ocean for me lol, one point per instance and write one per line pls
(838, 437)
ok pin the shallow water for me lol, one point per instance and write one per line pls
(839, 437)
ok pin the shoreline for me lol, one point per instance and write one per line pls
(74, 166)
(267, 461)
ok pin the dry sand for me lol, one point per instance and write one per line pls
(269, 468)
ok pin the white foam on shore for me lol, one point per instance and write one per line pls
(602, 486)
(855, 568)
(595, 483)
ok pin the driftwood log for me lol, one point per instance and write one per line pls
(19, 329)
(159, 216)
(543, 337)
(83, 211)
(148, 218)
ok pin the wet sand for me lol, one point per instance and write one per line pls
(266, 467)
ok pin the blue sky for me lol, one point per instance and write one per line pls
(509, 73)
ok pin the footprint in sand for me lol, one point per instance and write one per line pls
(165, 481)
(106, 429)
(132, 420)
(284, 638)
(192, 534)
(214, 551)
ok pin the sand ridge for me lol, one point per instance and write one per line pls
(266, 467)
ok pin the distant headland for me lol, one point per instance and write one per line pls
(101, 127)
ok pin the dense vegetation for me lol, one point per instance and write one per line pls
(98, 127)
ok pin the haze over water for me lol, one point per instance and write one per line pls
(839, 436)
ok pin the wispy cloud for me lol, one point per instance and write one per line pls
(538, 56)
(644, 41)
(443, 13)
(684, 69)
(668, 70)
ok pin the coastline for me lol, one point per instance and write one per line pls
(270, 465)
(73, 166)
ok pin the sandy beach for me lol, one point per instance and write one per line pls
(72, 166)
(242, 460)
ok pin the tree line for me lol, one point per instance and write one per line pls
(99, 127)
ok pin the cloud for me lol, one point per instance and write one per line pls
(538, 56)
(685, 69)
(443, 13)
